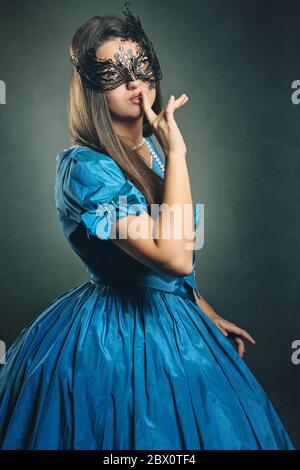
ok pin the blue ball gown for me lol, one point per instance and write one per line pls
(127, 360)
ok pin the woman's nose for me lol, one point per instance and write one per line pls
(134, 83)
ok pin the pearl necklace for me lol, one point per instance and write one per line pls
(152, 153)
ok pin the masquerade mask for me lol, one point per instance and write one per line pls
(106, 74)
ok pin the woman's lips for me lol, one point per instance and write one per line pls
(135, 100)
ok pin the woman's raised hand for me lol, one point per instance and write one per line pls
(164, 125)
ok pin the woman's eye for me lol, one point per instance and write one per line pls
(142, 62)
(110, 74)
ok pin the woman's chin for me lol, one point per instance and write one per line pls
(135, 112)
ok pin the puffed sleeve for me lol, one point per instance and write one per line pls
(97, 193)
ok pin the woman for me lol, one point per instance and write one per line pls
(135, 358)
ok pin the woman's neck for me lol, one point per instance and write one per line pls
(131, 131)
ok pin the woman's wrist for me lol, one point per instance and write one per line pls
(172, 155)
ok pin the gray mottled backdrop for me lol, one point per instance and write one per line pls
(236, 60)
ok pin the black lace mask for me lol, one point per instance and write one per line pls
(106, 74)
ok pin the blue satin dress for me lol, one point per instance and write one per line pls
(127, 360)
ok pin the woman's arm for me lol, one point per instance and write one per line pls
(207, 309)
(163, 242)
(225, 326)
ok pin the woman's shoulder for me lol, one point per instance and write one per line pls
(84, 153)
(88, 153)
(89, 159)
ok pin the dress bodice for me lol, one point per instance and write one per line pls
(86, 180)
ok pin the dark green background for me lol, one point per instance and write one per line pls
(236, 60)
